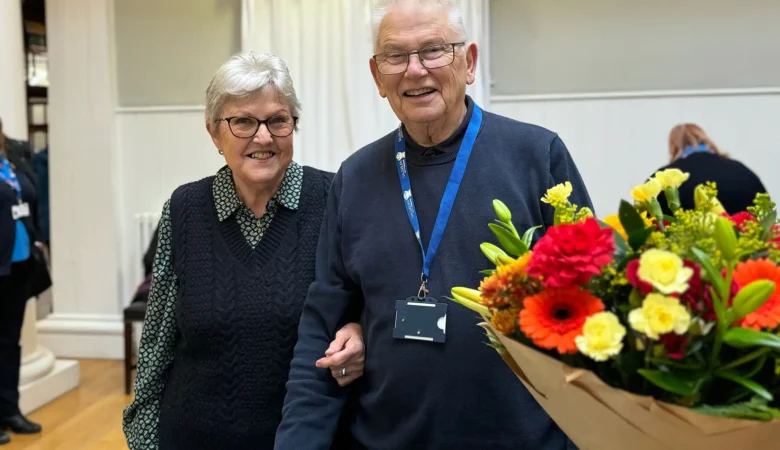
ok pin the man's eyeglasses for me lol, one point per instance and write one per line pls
(246, 127)
(431, 57)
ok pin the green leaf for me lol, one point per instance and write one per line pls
(757, 367)
(746, 383)
(671, 382)
(508, 241)
(752, 297)
(488, 272)
(669, 218)
(756, 409)
(767, 222)
(637, 238)
(528, 236)
(714, 275)
(630, 218)
(746, 337)
(635, 298)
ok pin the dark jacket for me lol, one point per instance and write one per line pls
(414, 395)
(7, 200)
(737, 185)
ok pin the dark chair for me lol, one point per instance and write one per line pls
(134, 313)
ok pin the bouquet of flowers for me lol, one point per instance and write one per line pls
(642, 330)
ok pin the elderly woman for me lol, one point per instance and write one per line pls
(234, 262)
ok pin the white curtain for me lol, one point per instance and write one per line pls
(327, 46)
(476, 15)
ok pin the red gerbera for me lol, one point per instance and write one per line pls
(554, 317)
(569, 255)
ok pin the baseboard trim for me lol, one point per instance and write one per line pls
(83, 336)
(63, 378)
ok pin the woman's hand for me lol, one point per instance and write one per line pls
(44, 249)
(346, 355)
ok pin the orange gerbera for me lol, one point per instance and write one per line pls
(768, 315)
(555, 316)
(506, 284)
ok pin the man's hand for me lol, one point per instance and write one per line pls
(346, 355)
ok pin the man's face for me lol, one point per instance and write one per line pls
(420, 95)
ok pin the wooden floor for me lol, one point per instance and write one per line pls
(87, 418)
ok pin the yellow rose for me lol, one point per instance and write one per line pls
(646, 192)
(660, 315)
(558, 194)
(664, 270)
(671, 178)
(602, 336)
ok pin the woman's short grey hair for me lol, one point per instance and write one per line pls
(245, 74)
(456, 17)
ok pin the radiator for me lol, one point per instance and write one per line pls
(145, 226)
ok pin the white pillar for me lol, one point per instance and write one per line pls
(37, 360)
(84, 178)
(13, 75)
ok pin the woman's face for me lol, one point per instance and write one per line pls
(261, 158)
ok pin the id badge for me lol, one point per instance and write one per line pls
(420, 320)
(20, 211)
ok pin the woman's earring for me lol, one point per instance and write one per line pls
(221, 152)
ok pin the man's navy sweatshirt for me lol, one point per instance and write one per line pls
(419, 395)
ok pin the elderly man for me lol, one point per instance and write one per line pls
(439, 387)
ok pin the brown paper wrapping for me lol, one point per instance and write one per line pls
(598, 417)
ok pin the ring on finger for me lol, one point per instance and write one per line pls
(343, 372)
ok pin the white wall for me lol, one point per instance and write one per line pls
(167, 50)
(159, 149)
(619, 140)
(558, 46)
(612, 77)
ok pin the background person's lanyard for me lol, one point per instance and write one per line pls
(445, 208)
(8, 176)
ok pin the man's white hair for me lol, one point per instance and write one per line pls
(452, 8)
(245, 74)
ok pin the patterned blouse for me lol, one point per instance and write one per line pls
(159, 335)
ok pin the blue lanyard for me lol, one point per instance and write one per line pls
(7, 175)
(448, 199)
